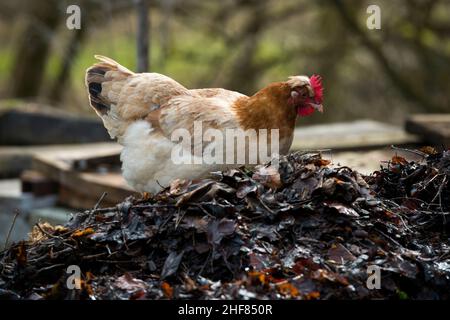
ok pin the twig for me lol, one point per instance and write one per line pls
(115, 261)
(103, 210)
(388, 237)
(92, 256)
(159, 184)
(148, 206)
(100, 200)
(53, 266)
(11, 228)
(417, 152)
(179, 219)
(46, 233)
(289, 280)
(199, 205)
(438, 194)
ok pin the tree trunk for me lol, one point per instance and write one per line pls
(63, 77)
(244, 71)
(33, 49)
(142, 39)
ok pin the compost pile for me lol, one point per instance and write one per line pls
(302, 230)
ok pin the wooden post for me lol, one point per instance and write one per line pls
(142, 36)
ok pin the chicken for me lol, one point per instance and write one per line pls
(144, 111)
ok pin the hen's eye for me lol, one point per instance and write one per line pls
(303, 92)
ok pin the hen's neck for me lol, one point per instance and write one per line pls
(267, 109)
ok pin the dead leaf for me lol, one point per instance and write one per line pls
(288, 289)
(321, 162)
(167, 290)
(343, 209)
(21, 254)
(82, 233)
(399, 160)
(171, 264)
(268, 176)
(340, 254)
(130, 284)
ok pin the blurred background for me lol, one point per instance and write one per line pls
(374, 79)
(239, 44)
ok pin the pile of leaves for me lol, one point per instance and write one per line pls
(302, 230)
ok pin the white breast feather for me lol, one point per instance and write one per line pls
(146, 160)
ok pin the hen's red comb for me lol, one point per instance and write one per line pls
(316, 84)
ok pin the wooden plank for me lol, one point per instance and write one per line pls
(354, 135)
(22, 125)
(15, 159)
(37, 183)
(433, 128)
(86, 187)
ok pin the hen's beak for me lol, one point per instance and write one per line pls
(318, 107)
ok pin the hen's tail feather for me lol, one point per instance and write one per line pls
(112, 63)
(105, 71)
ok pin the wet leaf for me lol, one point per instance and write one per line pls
(340, 254)
(171, 264)
(307, 230)
(128, 283)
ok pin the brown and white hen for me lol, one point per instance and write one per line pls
(143, 110)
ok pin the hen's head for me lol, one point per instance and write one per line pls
(306, 94)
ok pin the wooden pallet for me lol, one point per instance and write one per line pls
(433, 128)
(356, 135)
(82, 189)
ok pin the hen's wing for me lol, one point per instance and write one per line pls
(185, 123)
(226, 95)
(204, 108)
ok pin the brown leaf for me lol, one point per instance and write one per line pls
(37, 234)
(312, 295)
(428, 150)
(321, 162)
(340, 254)
(167, 290)
(21, 254)
(288, 289)
(82, 233)
(399, 160)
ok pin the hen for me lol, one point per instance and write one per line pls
(144, 110)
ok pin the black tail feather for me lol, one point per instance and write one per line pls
(94, 78)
